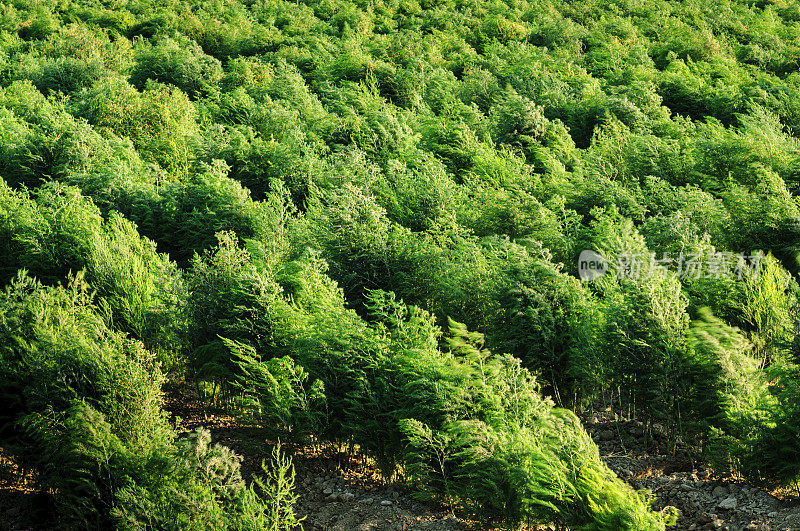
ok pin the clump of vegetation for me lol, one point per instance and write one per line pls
(84, 411)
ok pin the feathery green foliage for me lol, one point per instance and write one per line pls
(288, 202)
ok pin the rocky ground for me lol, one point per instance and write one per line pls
(340, 492)
(705, 502)
(349, 501)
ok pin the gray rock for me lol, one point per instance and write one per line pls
(386, 503)
(720, 492)
(367, 501)
(606, 435)
(727, 503)
(328, 491)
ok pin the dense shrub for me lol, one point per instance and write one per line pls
(178, 62)
(64, 74)
(58, 232)
(85, 413)
(230, 303)
(160, 121)
(379, 391)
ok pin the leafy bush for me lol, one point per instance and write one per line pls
(160, 121)
(142, 291)
(388, 397)
(765, 450)
(517, 121)
(59, 231)
(66, 75)
(277, 491)
(85, 413)
(645, 330)
(61, 364)
(551, 324)
(50, 235)
(222, 336)
(192, 214)
(178, 62)
(723, 375)
(276, 394)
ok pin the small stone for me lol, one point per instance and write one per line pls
(606, 435)
(347, 496)
(328, 491)
(386, 503)
(773, 514)
(727, 503)
(706, 518)
(367, 501)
